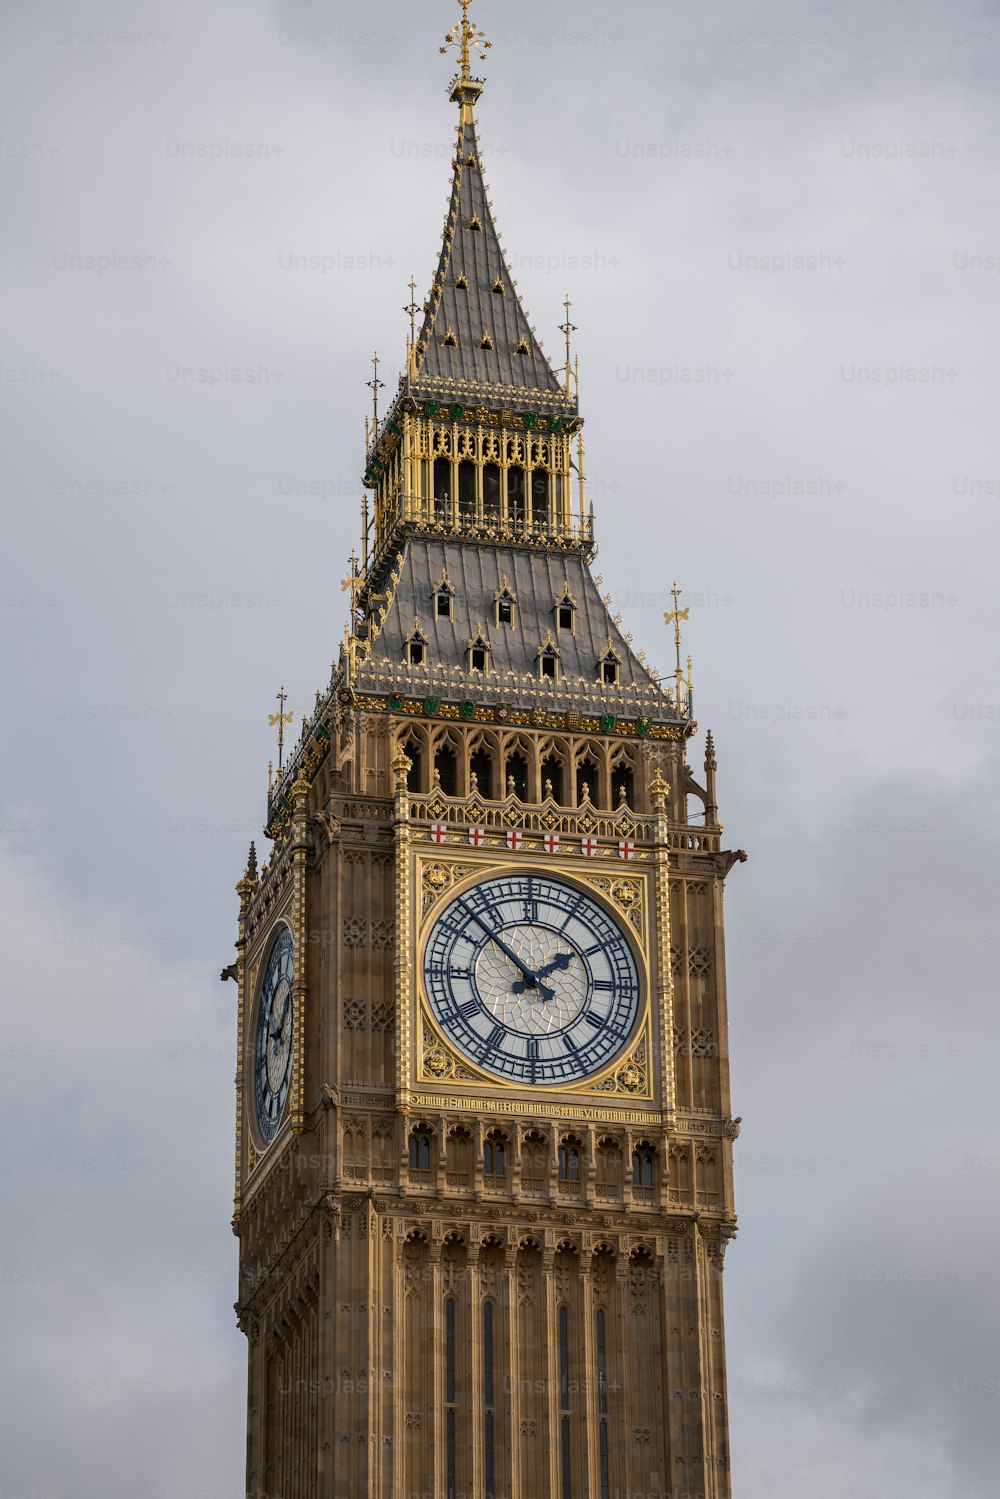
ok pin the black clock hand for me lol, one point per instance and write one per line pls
(531, 979)
(562, 962)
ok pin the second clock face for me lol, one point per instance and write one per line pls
(532, 979)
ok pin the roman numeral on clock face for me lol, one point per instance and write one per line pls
(496, 1037)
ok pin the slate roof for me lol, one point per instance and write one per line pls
(476, 573)
(479, 310)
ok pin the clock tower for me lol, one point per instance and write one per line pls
(483, 1160)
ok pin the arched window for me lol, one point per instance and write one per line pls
(608, 1180)
(540, 499)
(586, 782)
(481, 766)
(515, 495)
(569, 1159)
(623, 785)
(446, 765)
(467, 490)
(415, 774)
(495, 1154)
(552, 776)
(442, 484)
(643, 1159)
(516, 775)
(534, 1162)
(420, 1149)
(460, 1152)
(491, 492)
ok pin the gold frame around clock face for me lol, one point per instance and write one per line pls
(533, 977)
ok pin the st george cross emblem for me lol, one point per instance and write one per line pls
(626, 849)
(439, 831)
(477, 837)
(514, 839)
(551, 842)
(588, 847)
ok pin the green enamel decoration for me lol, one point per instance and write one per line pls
(608, 723)
(432, 408)
(467, 710)
(531, 418)
(431, 704)
(643, 726)
(457, 412)
(395, 703)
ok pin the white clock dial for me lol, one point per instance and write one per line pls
(532, 979)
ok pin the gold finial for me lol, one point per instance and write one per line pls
(569, 329)
(352, 581)
(467, 39)
(280, 719)
(413, 308)
(675, 617)
(375, 385)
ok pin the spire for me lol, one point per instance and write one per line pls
(475, 332)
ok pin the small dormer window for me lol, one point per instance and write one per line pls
(416, 646)
(475, 225)
(522, 348)
(548, 661)
(498, 288)
(487, 342)
(479, 651)
(565, 610)
(449, 340)
(609, 666)
(444, 599)
(462, 283)
(506, 603)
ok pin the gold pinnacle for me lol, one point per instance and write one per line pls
(468, 39)
(280, 719)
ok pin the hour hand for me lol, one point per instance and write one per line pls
(559, 963)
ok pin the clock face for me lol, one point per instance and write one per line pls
(532, 980)
(273, 1046)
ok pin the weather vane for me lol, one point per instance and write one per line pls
(280, 719)
(468, 39)
(675, 617)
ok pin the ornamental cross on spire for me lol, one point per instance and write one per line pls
(467, 39)
(675, 617)
(279, 720)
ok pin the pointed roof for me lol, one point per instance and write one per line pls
(475, 329)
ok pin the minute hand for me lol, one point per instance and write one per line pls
(531, 979)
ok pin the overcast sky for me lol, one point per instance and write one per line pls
(779, 228)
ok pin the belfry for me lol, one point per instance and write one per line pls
(484, 1141)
